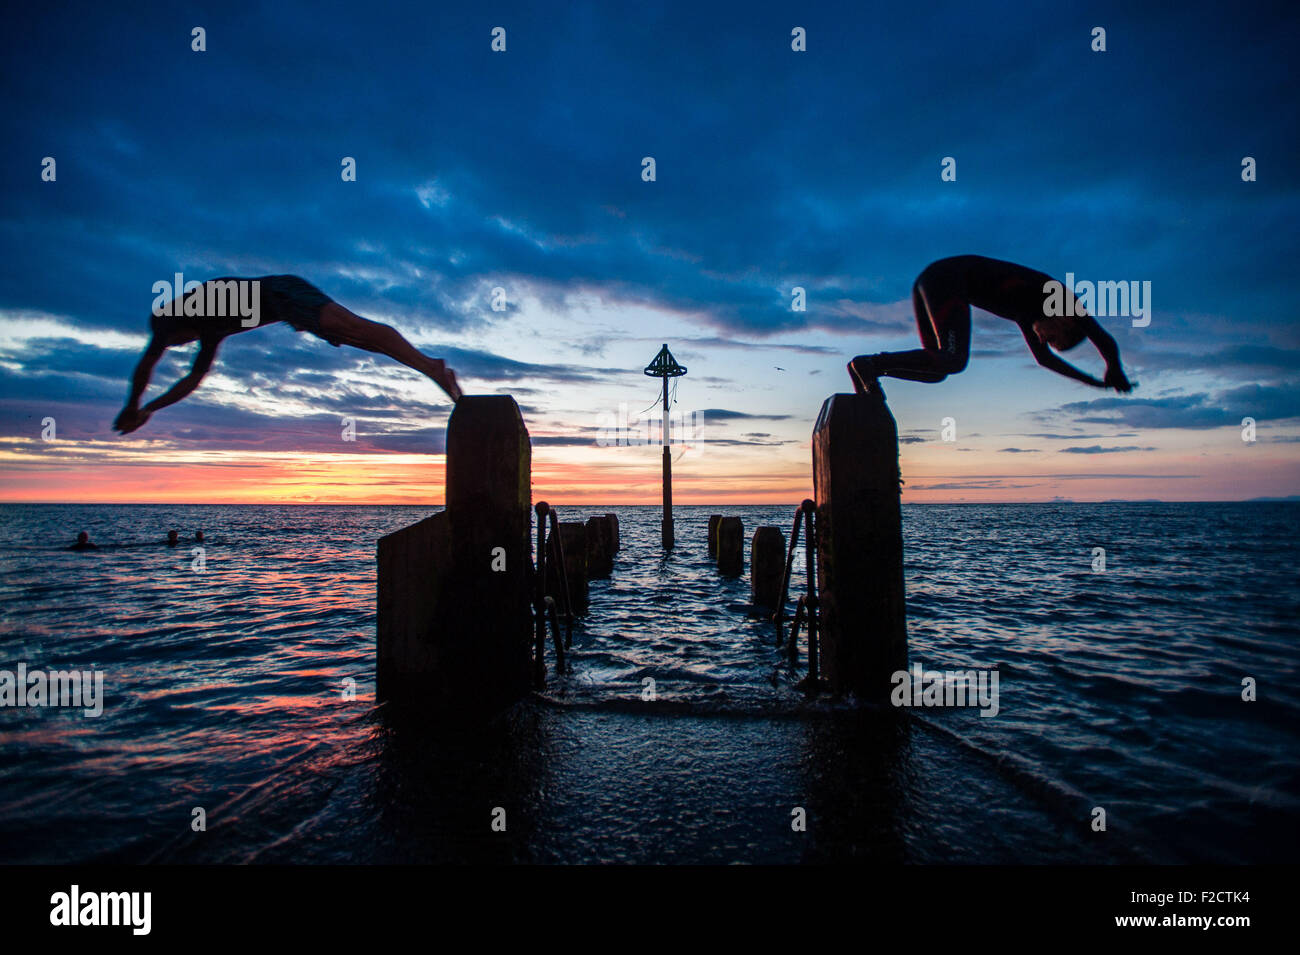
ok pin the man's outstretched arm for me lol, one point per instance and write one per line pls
(132, 418)
(1054, 362)
(127, 420)
(202, 362)
(1109, 351)
(144, 371)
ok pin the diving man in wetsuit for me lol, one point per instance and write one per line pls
(284, 298)
(942, 298)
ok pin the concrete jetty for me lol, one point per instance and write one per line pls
(859, 545)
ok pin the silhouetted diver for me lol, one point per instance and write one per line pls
(284, 298)
(173, 538)
(83, 543)
(942, 298)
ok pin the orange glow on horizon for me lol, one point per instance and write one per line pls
(582, 476)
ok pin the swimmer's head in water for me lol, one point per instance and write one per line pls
(1062, 332)
(198, 536)
(82, 538)
(172, 537)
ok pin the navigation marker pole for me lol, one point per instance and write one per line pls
(665, 366)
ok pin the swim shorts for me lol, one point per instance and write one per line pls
(297, 302)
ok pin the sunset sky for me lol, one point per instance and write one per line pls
(522, 170)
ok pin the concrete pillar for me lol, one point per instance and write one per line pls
(713, 535)
(615, 544)
(573, 536)
(731, 547)
(859, 545)
(454, 611)
(766, 566)
(600, 558)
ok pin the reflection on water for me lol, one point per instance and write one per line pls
(231, 690)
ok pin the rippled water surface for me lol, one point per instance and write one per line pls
(224, 689)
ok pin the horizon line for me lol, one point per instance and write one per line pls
(1294, 498)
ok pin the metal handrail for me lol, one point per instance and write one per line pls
(562, 573)
(544, 605)
(806, 608)
(810, 599)
(778, 615)
(549, 605)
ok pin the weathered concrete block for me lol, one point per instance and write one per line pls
(454, 608)
(612, 523)
(713, 535)
(731, 547)
(859, 545)
(766, 566)
(600, 558)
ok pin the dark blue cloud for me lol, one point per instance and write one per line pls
(521, 169)
(1099, 449)
(1191, 411)
(724, 414)
(816, 164)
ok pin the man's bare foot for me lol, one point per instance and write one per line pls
(863, 373)
(446, 379)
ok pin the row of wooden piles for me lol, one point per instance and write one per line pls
(767, 556)
(589, 550)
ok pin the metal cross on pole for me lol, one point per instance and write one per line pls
(665, 366)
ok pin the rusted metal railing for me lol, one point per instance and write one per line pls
(806, 609)
(550, 547)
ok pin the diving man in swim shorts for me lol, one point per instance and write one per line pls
(942, 298)
(281, 298)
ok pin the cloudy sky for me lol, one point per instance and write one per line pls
(522, 170)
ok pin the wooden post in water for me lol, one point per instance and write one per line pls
(859, 545)
(611, 522)
(731, 547)
(713, 535)
(600, 554)
(766, 566)
(454, 607)
(573, 538)
(665, 366)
